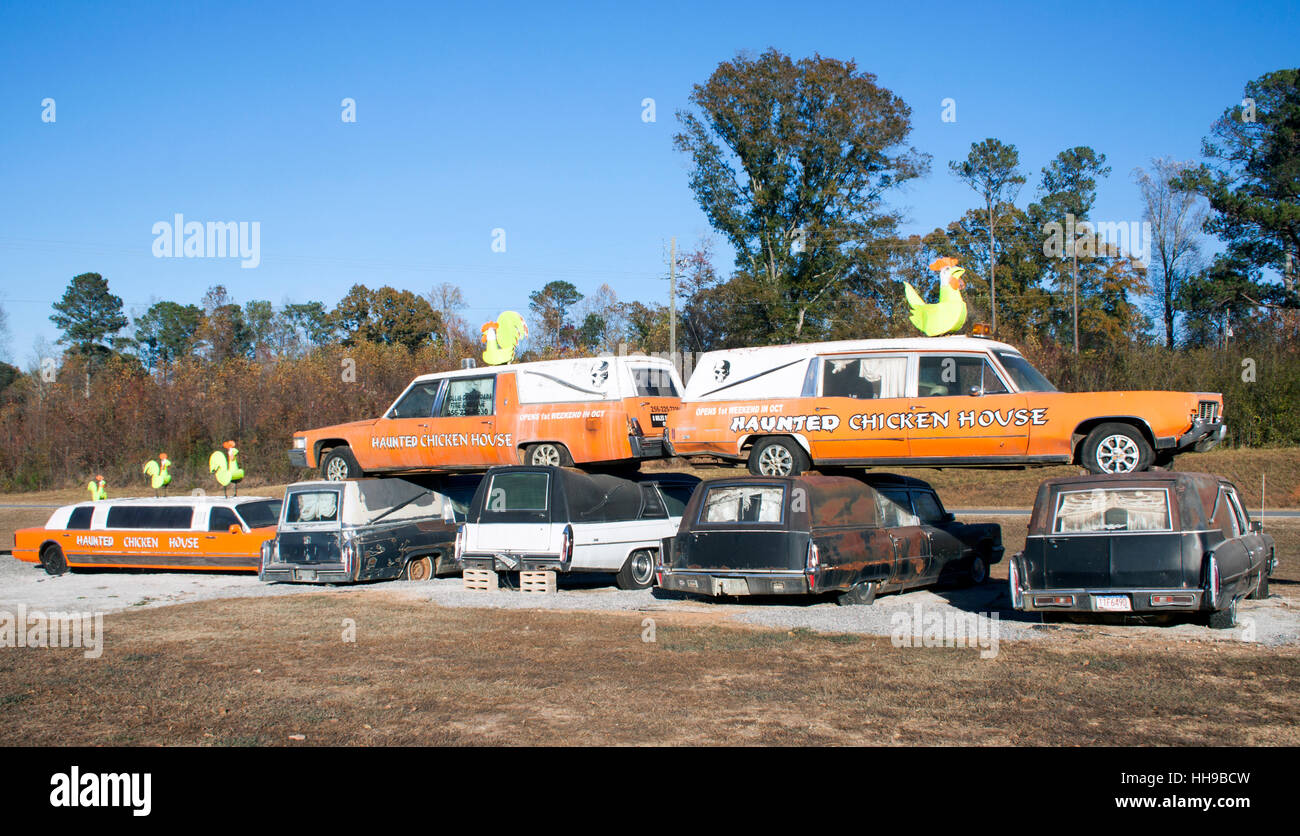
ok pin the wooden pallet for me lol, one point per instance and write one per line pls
(537, 581)
(479, 579)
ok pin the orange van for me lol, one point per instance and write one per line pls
(923, 402)
(551, 413)
(155, 533)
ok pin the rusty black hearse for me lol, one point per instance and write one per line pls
(815, 534)
(366, 530)
(1142, 543)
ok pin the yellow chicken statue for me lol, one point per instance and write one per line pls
(98, 488)
(949, 313)
(225, 465)
(502, 337)
(158, 473)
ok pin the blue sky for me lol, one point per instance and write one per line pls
(524, 117)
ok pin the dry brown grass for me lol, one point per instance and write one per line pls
(254, 672)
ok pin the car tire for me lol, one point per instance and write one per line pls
(339, 464)
(977, 573)
(1116, 448)
(862, 594)
(547, 454)
(1261, 591)
(1224, 619)
(777, 456)
(52, 560)
(638, 571)
(418, 568)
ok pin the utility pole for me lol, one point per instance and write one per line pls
(672, 298)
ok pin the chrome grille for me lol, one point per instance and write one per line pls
(1208, 411)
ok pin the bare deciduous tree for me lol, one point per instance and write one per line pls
(1176, 217)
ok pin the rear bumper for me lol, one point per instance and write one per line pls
(1086, 600)
(646, 447)
(305, 573)
(514, 562)
(298, 458)
(717, 584)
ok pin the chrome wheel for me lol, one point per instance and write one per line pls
(643, 567)
(775, 460)
(546, 455)
(336, 470)
(1118, 454)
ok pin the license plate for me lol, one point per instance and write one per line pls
(730, 586)
(304, 574)
(1114, 603)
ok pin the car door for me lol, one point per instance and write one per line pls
(963, 409)
(945, 547)
(396, 438)
(866, 393)
(911, 545)
(1251, 542)
(462, 430)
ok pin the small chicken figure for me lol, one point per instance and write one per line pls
(502, 337)
(157, 471)
(225, 466)
(949, 313)
(98, 488)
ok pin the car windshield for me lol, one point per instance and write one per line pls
(312, 506)
(1027, 378)
(1105, 510)
(261, 513)
(736, 504)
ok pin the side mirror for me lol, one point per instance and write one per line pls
(975, 391)
(949, 516)
(234, 529)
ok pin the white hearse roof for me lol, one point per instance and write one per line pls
(602, 378)
(552, 366)
(366, 499)
(782, 370)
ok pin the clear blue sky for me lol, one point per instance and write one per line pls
(525, 117)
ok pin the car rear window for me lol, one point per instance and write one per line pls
(1106, 510)
(312, 506)
(743, 504)
(518, 492)
(653, 382)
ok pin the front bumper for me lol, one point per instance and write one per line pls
(1201, 437)
(300, 573)
(298, 458)
(717, 584)
(514, 562)
(1086, 600)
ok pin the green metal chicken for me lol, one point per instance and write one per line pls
(158, 473)
(500, 338)
(225, 465)
(949, 313)
(98, 488)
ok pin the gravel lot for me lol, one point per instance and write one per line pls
(1272, 622)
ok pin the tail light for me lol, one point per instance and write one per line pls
(1213, 582)
(460, 544)
(566, 550)
(270, 551)
(1053, 600)
(349, 554)
(812, 563)
(1179, 599)
(1017, 595)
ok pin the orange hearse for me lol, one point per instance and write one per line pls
(156, 533)
(553, 412)
(924, 402)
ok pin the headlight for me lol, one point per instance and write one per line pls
(299, 442)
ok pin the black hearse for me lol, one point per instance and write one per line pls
(814, 534)
(1157, 542)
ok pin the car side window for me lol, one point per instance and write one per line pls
(927, 507)
(417, 402)
(1239, 518)
(468, 397)
(864, 377)
(221, 519)
(896, 509)
(948, 375)
(80, 518)
(653, 508)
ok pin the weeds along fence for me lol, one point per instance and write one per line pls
(58, 433)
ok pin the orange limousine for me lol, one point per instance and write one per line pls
(923, 402)
(549, 413)
(155, 533)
